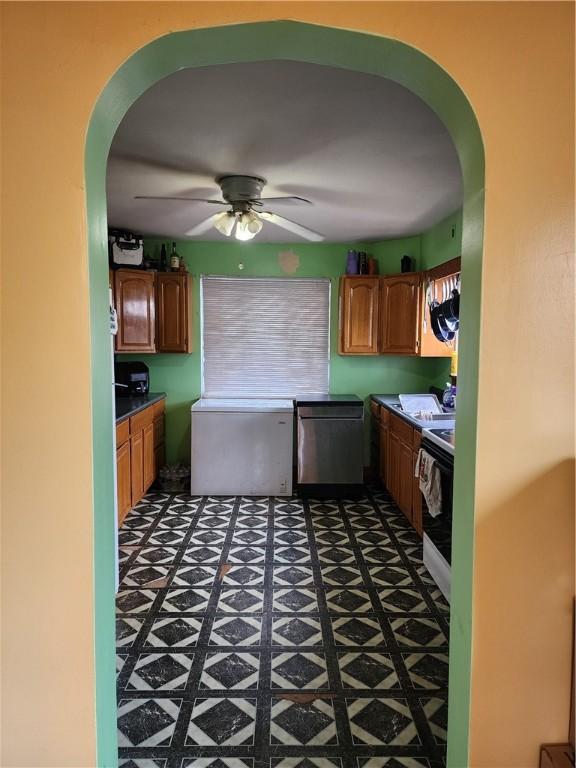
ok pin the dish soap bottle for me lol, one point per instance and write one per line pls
(174, 259)
(448, 396)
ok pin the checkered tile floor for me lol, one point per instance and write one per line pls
(278, 633)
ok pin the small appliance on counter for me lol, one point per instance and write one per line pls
(132, 379)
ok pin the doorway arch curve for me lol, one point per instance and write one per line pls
(309, 43)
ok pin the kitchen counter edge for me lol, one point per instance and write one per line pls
(137, 404)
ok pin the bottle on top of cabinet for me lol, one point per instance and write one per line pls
(174, 259)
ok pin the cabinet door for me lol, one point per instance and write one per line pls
(137, 467)
(358, 315)
(399, 318)
(384, 449)
(148, 456)
(392, 465)
(173, 312)
(134, 296)
(123, 487)
(405, 476)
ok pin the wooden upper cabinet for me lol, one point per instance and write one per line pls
(358, 319)
(173, 312)
(399, 314)
(430, 346)
(134, 297)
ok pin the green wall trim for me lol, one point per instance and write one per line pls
(362, 52)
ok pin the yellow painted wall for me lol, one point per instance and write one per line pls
(514, 62)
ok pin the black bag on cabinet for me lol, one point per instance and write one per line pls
(125, 250)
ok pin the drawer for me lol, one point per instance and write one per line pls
(375, 410)
(384, 415)
(403, 431)
(158, 430)
(417, 440)
(158, 408)
(141, 420)
(122, 432)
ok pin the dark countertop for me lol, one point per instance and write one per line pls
(128, 406)
(328, 400)
(392, 402)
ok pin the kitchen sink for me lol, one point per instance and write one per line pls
(432, 417)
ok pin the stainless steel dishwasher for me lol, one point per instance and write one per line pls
(330, 443)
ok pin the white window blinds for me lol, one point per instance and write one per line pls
(265, 337)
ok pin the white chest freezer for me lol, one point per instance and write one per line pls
(242, 447)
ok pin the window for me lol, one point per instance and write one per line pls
(265, 337)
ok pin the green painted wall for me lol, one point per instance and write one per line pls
(442, 242)
(179, 375)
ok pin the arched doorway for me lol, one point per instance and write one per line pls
(296, 41)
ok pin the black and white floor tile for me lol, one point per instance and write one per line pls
(278, 633)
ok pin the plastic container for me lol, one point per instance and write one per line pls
(352, 263)
(174, 478)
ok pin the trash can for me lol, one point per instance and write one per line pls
(174, 478)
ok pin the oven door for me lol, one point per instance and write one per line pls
(439, 529)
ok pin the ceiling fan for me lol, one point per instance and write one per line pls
(244, 194)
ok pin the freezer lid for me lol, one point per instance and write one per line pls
(242, 405)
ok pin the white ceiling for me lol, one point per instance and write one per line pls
(375, 160)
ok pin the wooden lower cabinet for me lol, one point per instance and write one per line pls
(383, 454)
(159, 448)
(148, 455)
(392, 465)
(123, 481)
(405, 484)
(137, 467)
(139, 456)
(399, 446)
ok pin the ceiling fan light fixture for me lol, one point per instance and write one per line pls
(224, 223)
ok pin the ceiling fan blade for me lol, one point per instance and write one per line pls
(291, 226)
(292, 200)
(185, 199)
(203, 226)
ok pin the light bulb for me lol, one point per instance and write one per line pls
(254, 224)
(242, 228)
(224, 223)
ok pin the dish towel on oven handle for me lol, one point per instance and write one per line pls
(428, 475)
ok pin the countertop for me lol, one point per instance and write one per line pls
(128, 406)
(392, 401)
(328, 400)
